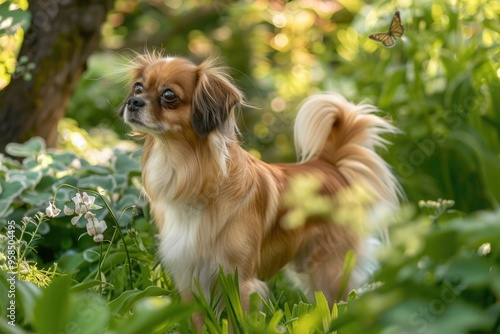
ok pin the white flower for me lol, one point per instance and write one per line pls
(96, 227)
(88, 200)
(80, 207)
(484, 249)
(101, 227)
(91, 228)
(75, 163)
(52, 210)
(75, 219)
(83, 203)
(68, 211)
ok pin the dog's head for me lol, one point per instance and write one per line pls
(170, 95)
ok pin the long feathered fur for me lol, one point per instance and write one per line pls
(329, 127)
(216, 205)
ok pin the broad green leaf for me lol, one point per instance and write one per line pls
(147, 320)
(46, 182)
(96, 169)
(106, 182)
(30, 148)
(459, 317)
(29, 178)
(127, 299)
(5, 209)
(88, 314)
(124, 164)
(470, 272)
(11, 189)
(52, 309)
(36, 198)
(71, 261)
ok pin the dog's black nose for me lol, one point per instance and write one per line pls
(134, 103)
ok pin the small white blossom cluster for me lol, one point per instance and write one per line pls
(83, 206)
(439, 204)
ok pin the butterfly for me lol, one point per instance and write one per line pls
(395, 30)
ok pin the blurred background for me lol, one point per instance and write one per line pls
(62, 76)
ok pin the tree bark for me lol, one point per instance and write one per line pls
(62, 35)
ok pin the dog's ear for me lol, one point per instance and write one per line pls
(214, 97)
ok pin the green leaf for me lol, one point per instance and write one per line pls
(470, 272)
(462, 318)
(88, 314)
(11, 190)
(148, 319)
(5, 209)
(36, 198)
(323, 309)
(20, 19)
(107, 182)
(90, 255)
(124, 164)
(65, 158)
(127, 299)
(231, 294)
(349, 264)
(86, 285)
(274, 322)
(6, 328)
(46, 182)
(96, 169)
(31, 148)
(126, 201)
(208, 311)
(71, 261)
(52, 308)
(29, 178)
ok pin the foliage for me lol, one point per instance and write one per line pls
(100, 95)
(440, 84)
(14, 19)
(436, 279)
(437, 270)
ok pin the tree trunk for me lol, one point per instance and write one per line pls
(62, 35)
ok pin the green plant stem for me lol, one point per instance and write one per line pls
(32, 236)
(99, 270)
(115, 221)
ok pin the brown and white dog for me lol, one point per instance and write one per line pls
(217, 206)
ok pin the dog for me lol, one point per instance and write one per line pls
(218, 206)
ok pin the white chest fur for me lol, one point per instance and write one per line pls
(184, 251)
(179, 241)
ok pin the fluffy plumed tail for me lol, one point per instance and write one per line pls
(330, 128)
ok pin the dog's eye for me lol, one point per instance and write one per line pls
(138, 88)
(169, 96)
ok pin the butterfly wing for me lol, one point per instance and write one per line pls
(385, 38)
(396, 28)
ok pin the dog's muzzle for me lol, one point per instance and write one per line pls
(135, 103)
